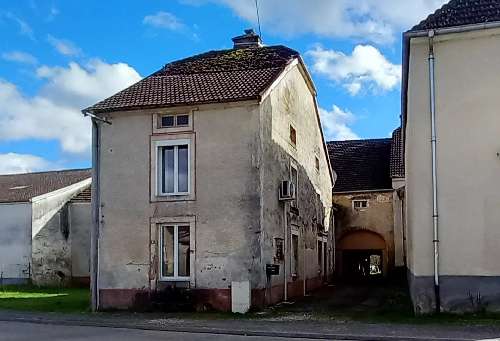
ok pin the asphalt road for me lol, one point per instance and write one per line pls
(17, 331)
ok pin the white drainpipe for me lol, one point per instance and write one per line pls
(435, 212)
(96, 205)
(94, 232)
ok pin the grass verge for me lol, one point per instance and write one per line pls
(31, 298)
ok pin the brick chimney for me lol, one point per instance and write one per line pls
(249, 39)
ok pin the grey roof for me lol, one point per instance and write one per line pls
(23, 187)
(361, 165)
(397, 168)
(460, 13)
(212, 77)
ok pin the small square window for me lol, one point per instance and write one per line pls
(182, 120)
(167, 121)
(359, 204)
(293, 135)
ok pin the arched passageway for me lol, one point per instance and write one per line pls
(362, 255)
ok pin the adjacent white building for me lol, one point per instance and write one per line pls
(45, 227)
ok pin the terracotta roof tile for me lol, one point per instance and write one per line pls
(23, 187)
(461, 12)
(361, 165)
(212, 77)
(397, 155)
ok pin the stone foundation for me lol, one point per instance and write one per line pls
(205, 299)
(459, 294)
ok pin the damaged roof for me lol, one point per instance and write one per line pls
(460, 13)
(361, 165)
(24, 187)
(212, 77)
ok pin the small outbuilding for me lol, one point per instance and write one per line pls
(45, 221)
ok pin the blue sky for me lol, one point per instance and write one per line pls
(57, 57)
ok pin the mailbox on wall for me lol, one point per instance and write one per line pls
(272, 269)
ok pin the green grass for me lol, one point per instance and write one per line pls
(31, 298)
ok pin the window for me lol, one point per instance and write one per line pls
(182, 120)
(173, 167)
(316, 163)
(294, 178)
(295, 255)
(278, 243)
(359, 204)
(167, 121)
(320, 255)
(171, 121)
(293, 135)
(175, 252)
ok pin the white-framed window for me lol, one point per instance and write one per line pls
(174, 120)
(173, 167)
(359, 204)
(175, 252)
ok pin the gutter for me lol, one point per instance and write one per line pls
(96, 204)
(432, 109)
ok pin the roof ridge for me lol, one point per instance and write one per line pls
(224, 51)
(456, 13)
(362, 140)
(210, 72)
(51, 171)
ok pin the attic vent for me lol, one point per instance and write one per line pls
(249, 39)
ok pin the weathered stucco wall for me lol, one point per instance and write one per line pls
(378, 217)
(15, 242)
(80, 223)
(50, 245)
(468, 165)
(51, 251)
(240, 156)
(398, 199)
(225, 205)
(292, 103)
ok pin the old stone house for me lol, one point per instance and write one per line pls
(190, 162)
(45, 227)
(368, 230)
(451, 128)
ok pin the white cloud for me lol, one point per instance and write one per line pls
(335, 124)
(12, 163)
(24, 28)
(366, 67)
(368, 20)
(164, 20)
(54, 113)
(64, 47)
(19, 57)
